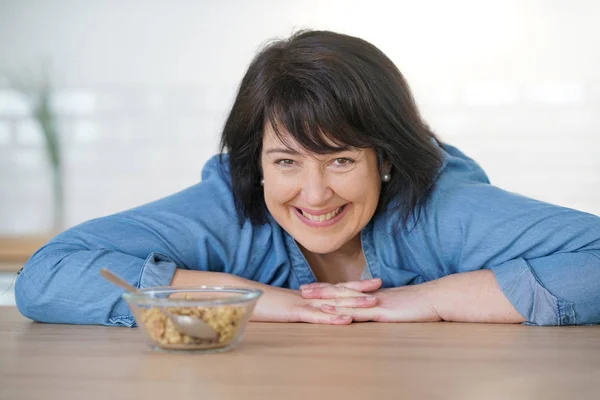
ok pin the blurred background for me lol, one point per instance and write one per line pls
(139, 90)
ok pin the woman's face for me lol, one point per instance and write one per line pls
(322, 201)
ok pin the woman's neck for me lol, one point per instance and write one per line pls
(343, 265)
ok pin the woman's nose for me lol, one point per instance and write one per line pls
(316, 189)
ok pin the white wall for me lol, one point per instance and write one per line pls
(144, 87)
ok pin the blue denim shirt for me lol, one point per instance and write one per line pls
(545, 258)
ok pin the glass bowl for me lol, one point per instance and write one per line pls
(225, 309)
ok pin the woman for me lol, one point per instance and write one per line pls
(335, 186)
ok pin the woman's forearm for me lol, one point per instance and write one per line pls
(471, 297)
(267, 302)
(185, 277)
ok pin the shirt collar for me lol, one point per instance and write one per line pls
(305, 275)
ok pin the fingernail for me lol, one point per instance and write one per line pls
(376, 279)
(371, 298)
(344, 317)
(306, 290)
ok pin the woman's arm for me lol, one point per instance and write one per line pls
(477, 297)
(467, 297)
(544, 258)
(471, 297)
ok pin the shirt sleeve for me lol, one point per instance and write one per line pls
(197, 228)
(545, 258)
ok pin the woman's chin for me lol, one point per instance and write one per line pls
(318, 246)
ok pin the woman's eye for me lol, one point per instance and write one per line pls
(342, 162)
(285, 162)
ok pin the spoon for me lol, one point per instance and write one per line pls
(191, 326)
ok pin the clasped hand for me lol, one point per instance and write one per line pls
(346, 302)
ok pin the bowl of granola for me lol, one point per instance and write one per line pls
(224, 311)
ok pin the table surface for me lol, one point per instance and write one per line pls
(303, 361)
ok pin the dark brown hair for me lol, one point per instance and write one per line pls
(329, 91)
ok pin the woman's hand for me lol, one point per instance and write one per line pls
(285, 305)
(402, 304)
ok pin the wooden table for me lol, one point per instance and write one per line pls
(302, 361)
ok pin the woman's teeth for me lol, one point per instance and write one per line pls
(322, 217)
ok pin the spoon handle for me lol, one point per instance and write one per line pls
(117, 281)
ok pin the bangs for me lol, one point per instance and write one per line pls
(318, 122)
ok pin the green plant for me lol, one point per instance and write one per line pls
(38, 93)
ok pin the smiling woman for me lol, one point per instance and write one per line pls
(335, 199)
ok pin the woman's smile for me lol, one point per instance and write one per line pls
(320, 219)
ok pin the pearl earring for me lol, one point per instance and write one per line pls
(386, 177)
(262, 182)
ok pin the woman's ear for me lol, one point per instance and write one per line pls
(386, 167)
(385, 170)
